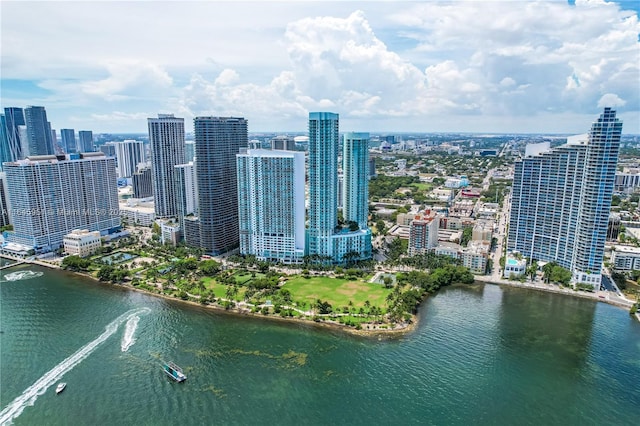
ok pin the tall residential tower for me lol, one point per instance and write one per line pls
(271, 205)
(166, 137)
(326, 240)
(218, 140)
(561, 200)
(39, 140)
(58, 194)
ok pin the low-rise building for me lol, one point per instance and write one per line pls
(625, 258)
(514, 267)
(482, 231)
(449, 249)
(137, 212)
(170, 232)
(475, 256)
(81, 242)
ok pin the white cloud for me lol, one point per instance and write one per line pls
(419, 64)
(610, 100)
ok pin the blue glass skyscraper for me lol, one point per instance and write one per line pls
(68, 139)
(323, 182)
(14, 117)
(326, 240)
(39, 140)
(355, 165)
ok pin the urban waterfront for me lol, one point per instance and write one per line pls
(481, 355)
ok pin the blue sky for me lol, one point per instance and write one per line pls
(468, 66)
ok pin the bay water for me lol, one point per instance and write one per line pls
(481, 354)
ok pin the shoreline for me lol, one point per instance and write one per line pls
(396, 331)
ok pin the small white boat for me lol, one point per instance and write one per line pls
(173, 371)
(60, 387)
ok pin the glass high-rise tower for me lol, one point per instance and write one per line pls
(85, 141)
(355, 166)
(68, 139)
(166, 138)
(323, 182)
(14, 117)
(218, 140)
(39, 140)
(561, 200)
(326, 240)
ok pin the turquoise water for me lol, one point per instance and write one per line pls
(512, 262)
(481, 355)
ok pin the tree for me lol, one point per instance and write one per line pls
(388, 282)
(210, 267)
(532, 269)
(104, 274)
(75, 263)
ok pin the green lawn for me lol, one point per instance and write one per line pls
(422, 186)
(338, 292)
(220, 290)
(244, 277)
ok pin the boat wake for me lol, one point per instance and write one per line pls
(21, 275)
(129, 331)
(29, 396)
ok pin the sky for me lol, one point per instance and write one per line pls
(405, 66)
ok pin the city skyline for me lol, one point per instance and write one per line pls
(544, 67)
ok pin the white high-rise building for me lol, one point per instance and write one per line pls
(53, 195)
(166, 138)
(187, 190)
(129, 154)
(271, 205)
(561, 200)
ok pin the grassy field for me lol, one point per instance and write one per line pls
(220, 290)
(245, 277)
(338, 292)
(422, 186)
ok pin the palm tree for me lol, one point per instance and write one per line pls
(367, 305)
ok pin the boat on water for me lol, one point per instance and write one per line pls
(173, 371)
(60, 387)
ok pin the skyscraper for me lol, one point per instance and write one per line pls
(286, 143)
(187, 190)
(14, 117)
(68, 139)
(561, 200)
(85, 141)
(218, 140)
(355, 166)
(129, 154)
(53, 195)
(109, 149)
(166, 138)
(141, 182)
(325, 238)
(271, 205)
(5, 208)
(5, 153)
(39, 141)
(323, 182)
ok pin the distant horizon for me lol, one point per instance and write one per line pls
(386, 133)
